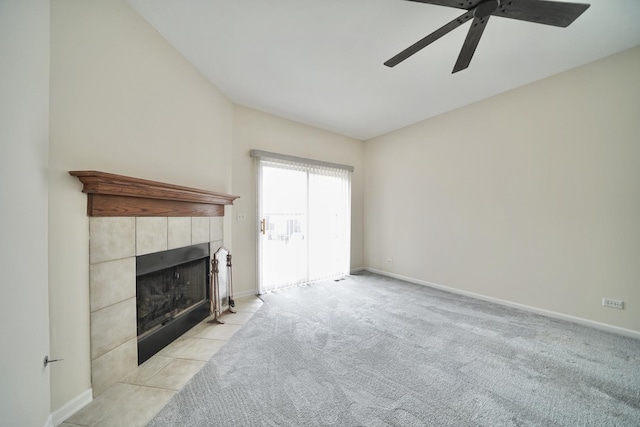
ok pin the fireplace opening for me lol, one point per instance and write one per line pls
(172, 296)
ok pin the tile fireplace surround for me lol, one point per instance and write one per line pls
(114, 243)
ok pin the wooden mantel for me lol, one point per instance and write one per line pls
(116, 195)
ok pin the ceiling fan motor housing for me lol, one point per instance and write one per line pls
(486, 8)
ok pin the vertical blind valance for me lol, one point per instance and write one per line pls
(286, 159)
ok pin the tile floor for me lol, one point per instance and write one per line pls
(138, 398)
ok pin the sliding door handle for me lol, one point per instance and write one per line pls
(263, 226)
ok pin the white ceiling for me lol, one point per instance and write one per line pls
(321, 62)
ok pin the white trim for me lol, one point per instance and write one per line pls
(358, 270)
(49, 422)
(258, 223)
(242, 294)
(71, 407)
(553, 314)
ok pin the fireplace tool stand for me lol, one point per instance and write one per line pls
(219, 305)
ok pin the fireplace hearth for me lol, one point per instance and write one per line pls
(172, 295)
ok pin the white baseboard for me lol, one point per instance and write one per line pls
(70, 408)
(49, 422)
(553, 314)
(242, 294)
(357, 270)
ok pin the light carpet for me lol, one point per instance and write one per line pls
(374, 351)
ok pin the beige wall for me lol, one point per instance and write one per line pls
(256, 130)
(24, 140)
(122, 101)
(532, 196)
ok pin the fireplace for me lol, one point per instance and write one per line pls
(131, 218)
(172, 295)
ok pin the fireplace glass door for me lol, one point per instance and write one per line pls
(172, 295)
(164, 294)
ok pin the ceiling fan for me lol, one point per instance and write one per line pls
(555, 13)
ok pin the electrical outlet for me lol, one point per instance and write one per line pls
(613, 303)
(389, 261)
(242, 217)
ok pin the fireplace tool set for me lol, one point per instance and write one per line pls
(220, 304)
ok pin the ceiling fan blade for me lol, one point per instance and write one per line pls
(541, 11)
(421, 44)
(458, 4)
(470, 43)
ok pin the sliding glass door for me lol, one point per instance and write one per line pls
(304, 212)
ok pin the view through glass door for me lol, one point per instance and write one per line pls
(305, 223)
(283, 227)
